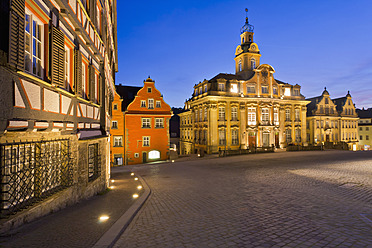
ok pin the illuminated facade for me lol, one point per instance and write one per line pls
(365, 128)
(332, 120)
(58, 63)
(247, 109)
(145, 136)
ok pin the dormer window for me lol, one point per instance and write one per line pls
(205, 88)
(287, 92)
(251, 89)
(221, 87)
(275, 90)
(234, 88)
(265, 89)
(296, 92)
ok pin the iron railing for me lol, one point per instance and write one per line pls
(32, 171)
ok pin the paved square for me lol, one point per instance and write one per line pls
(298, 199)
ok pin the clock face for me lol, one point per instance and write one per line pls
(253, 47)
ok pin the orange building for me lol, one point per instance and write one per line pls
(145, 128)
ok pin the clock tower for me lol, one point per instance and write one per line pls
(247, 54)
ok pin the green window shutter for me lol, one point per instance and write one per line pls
(57, 60)
(92, 83)
(77, 74)
(17, 34)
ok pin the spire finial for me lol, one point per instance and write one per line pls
(325, 88)
(246, 15)
(247, 27)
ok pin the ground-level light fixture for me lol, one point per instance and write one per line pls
(139, 187)
(132, 174)
(136, 178)
(135, 196)
(103, 218)
(112, 180)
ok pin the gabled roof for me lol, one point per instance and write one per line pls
(226, 76)
(312, 105)
(127, 93)
(364, 113)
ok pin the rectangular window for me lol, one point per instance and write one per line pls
(33, 45)
(200, 91)
(221, 113)
(200, 115)
(367, 128)
(146, 122)
(317, 124)
(265, 116)
(146, 141)
(275, 90)
(296, 92)
(205, 88)
(234, 114)
(205, 114)
(221, 87)
(251, 116)
(114, 124)
(115, 107)
(360, 128)
(288, 134)
(143, 104)
(361, 137)
(298, 135)
(367, 137)
(265, 89)
(251, 89)
(151, 103)
(276, 116)
(159, 122)
(221, 136)
(93, 162)
(287, 115)
(118, 141)
(149, 90)
(234, 137)
(158, 104)
(297, 115)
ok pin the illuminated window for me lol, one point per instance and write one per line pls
(265, 116)
(287, 91)
(297, 115)
(287, 115)
(146, 122)
(234, 137)
(234, 114)
(159, 122)
(143, 104)
(251, 116)
(118, 141)
(118, 159)
(221, 113)
(151, 103)
(221, 87)
(158, 104)
(234, 88)
(221, 136)
(154, 154)
(145, 141)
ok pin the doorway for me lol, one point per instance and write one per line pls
(265, 139)
(144, 157)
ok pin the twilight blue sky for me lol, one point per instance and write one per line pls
(314, 43)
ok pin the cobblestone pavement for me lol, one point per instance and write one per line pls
(298, 199)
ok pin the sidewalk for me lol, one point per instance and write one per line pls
(79, 225)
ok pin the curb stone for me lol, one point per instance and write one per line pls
(110, 237)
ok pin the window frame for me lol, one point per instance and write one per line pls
(146, 141)
(145, 122)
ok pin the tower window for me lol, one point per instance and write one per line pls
(243, 40)
(253, 64)
(250, 38)
(240, 65)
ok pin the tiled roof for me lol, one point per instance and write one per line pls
(127, 93)
(364, 113)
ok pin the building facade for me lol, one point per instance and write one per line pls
(332, 120)
(117, 132)
(243, 110)
(365, 128)
(57, 65)
(146, 124)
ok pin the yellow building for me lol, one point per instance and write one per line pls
(332, 121)
(365, 128)
(243, 110)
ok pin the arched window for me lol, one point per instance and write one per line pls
(243, 40)
(253, 64)
(250, 38)
(240, 65)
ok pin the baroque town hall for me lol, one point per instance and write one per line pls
(243, 110)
